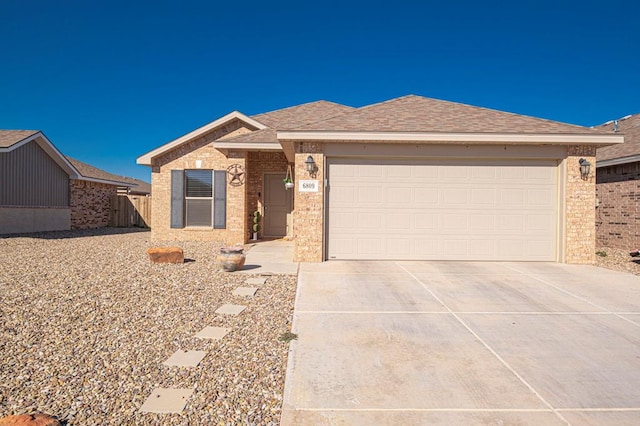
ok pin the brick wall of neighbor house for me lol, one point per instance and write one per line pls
(617, 216)
(90, 204)
(580, 201)
(259, 163)
(185, 157)
(308, 216)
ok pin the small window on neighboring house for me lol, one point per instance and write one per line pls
(198, 197)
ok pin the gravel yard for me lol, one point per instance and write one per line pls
(86, 322)
(618, 260)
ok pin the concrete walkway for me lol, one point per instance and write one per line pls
(410, 343)
(270, 257)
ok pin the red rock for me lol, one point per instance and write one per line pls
(37, 419)
(166, 255)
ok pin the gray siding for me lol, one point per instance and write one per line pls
(29, 177)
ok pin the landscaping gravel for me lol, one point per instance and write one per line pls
(86, 322)
(618, 260)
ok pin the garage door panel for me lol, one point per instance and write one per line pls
(424, 248)
(456, 210)
(481, 197)
(369, 195)
(540, 198)
(455, 196)
(482, 223)
(425, 196)
(369, 221)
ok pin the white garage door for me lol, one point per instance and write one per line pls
(442, 210)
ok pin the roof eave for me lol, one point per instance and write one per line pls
(105, 181)
(147, 159)
(618, 161)
(483, 138)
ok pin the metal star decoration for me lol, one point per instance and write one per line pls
(236, 174)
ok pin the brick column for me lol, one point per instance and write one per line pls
(237, 231)
(308, 217)
(580, 202)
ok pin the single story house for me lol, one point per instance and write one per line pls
(408, 178)
(42, 190)
(618, 186)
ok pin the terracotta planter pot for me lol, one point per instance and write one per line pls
(231, 259)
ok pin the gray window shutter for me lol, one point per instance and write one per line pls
(220, 199)
(177, 198)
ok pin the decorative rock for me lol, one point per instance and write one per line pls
(166, 255)
(37, 419)
(231, 259)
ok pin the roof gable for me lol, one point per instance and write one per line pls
(147, 158)
(13, 139)
(629, 127)
(9, 138)
(413, 113)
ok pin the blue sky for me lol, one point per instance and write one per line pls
(108, 81)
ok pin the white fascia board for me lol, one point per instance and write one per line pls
(617, 161)
(146, 159)
(108, 182)
(485, 138)
(270, 146)
(48, 147)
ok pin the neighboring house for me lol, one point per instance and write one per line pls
(42, 190)
(618, 186)
(409, 178)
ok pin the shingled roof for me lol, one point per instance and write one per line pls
(12, 137)
(296, 116)
(629, 127)
(91, 172)
(413, 113)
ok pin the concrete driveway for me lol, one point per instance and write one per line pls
(392, 343)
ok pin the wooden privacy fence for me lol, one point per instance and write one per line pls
(131, 210)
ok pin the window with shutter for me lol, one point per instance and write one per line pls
(199, 197)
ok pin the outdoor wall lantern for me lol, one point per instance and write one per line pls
(585, 168)
(310, 165)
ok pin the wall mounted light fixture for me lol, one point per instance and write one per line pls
(310, 165)
(585, 168)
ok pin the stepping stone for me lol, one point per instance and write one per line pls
(245, 291)
(230, 309)
(215, 333)
(185, 358)
(256, 280)
(166, 400)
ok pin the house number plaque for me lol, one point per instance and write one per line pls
(308, 185)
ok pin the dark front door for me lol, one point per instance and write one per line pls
(277, 205)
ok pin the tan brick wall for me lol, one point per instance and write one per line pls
(617, 214)
(260, 163)
(90, 204)
(308, 215)
(580, 201)
(185, 157)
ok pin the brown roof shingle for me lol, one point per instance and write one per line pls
(88, 171)
(413, 113)
(296, 116)
(629, 127)
(12, 137)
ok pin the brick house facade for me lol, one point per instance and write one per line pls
(409, 136)
(90, 204)
(43, 190)
(618, 187)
